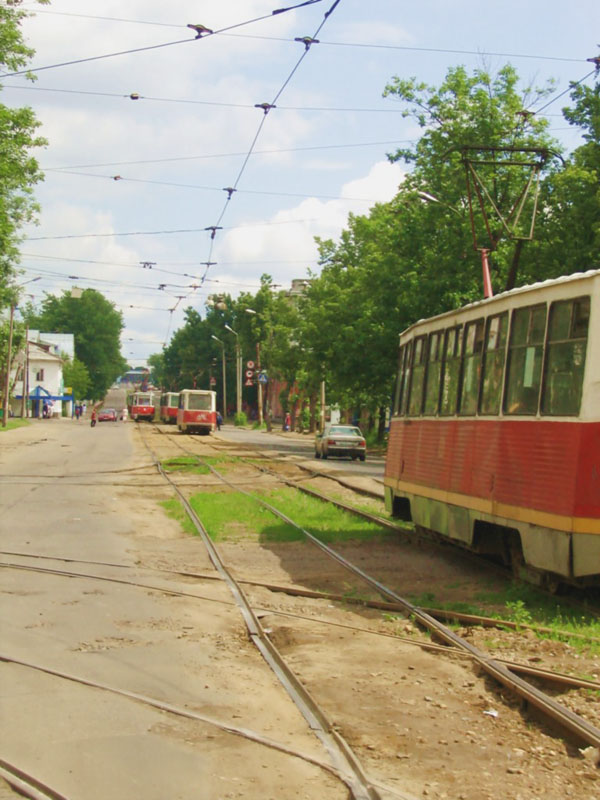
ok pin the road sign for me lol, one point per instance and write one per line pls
(249, 373)
(263, 378)
(213, 381)
(250, 364)
(249, 383)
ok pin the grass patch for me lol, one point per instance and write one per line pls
(177, 512)
(327, 523)
(227, 518)
(184, 464)
(15, 423)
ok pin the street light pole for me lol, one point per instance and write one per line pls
(216, 338)
(259, 384)
(238, 371)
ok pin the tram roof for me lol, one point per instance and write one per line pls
(563, 279)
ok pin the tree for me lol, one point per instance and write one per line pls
(76, 375)
(19, 171)
(96, 326)
(469, 111)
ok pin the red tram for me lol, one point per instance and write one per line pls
(140, 405)
(197, 412)
(495, 436)
(169, 403)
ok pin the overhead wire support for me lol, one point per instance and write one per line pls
(267, 107)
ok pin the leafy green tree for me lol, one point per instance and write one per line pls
(19, 171)
(76, 375)
(96, 326)
(568, 237)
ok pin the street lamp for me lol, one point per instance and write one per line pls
(260, 398)
(238, 370)
(216, 338)
(8, 354)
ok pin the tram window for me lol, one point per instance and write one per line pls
(451, 371)
(493, 364)
(432, 377)
(406, 382)
(400, 380)
(199, 402)
(471, 367)
(415, 401)
(565, 357)
(525, 356)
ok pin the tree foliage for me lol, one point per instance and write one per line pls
(19, 171)
(96, 326)
(414, 256)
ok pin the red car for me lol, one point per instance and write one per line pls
(107, 415)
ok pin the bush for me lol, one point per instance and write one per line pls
(240, 419)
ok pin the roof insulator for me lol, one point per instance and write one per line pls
(306, 41)
(200, 30)
(134, 96)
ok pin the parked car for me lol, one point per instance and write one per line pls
(107, 415)
(341, 440)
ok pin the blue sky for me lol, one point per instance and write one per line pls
(132, 181)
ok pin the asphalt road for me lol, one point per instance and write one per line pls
(302, 447)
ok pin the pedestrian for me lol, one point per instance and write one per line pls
(77, 411)
(83, 409)
(287, 425)
(219, 420)
(45, 410)
(93, 422)
(124, 415)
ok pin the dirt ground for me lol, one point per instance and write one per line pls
(424, 723)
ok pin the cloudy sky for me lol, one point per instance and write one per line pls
(134, 187)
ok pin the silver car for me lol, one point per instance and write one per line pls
(340, 440)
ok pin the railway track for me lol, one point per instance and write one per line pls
(577, 727)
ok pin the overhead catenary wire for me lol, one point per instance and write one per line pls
(373, 45)
(157, 46)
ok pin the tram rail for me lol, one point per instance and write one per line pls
(576, 726)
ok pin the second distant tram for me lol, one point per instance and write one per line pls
(169, 403)
(197, 411)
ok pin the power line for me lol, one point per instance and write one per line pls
(160, 232)
(216, 188)
(273, 151)
(204, 35)
(371, 45)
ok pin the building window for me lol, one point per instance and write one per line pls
(39, 375)
(525, 357)
(494, 355)
(565, 357)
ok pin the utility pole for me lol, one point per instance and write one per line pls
(216, 338)
(238, 371)
(8, 365)
(25, 389)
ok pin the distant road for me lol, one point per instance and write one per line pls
(300, 445)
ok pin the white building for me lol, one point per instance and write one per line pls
(42, 365)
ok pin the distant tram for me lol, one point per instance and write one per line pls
(197, 412)
(169, 403)
(495, 435)
(140, 405)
